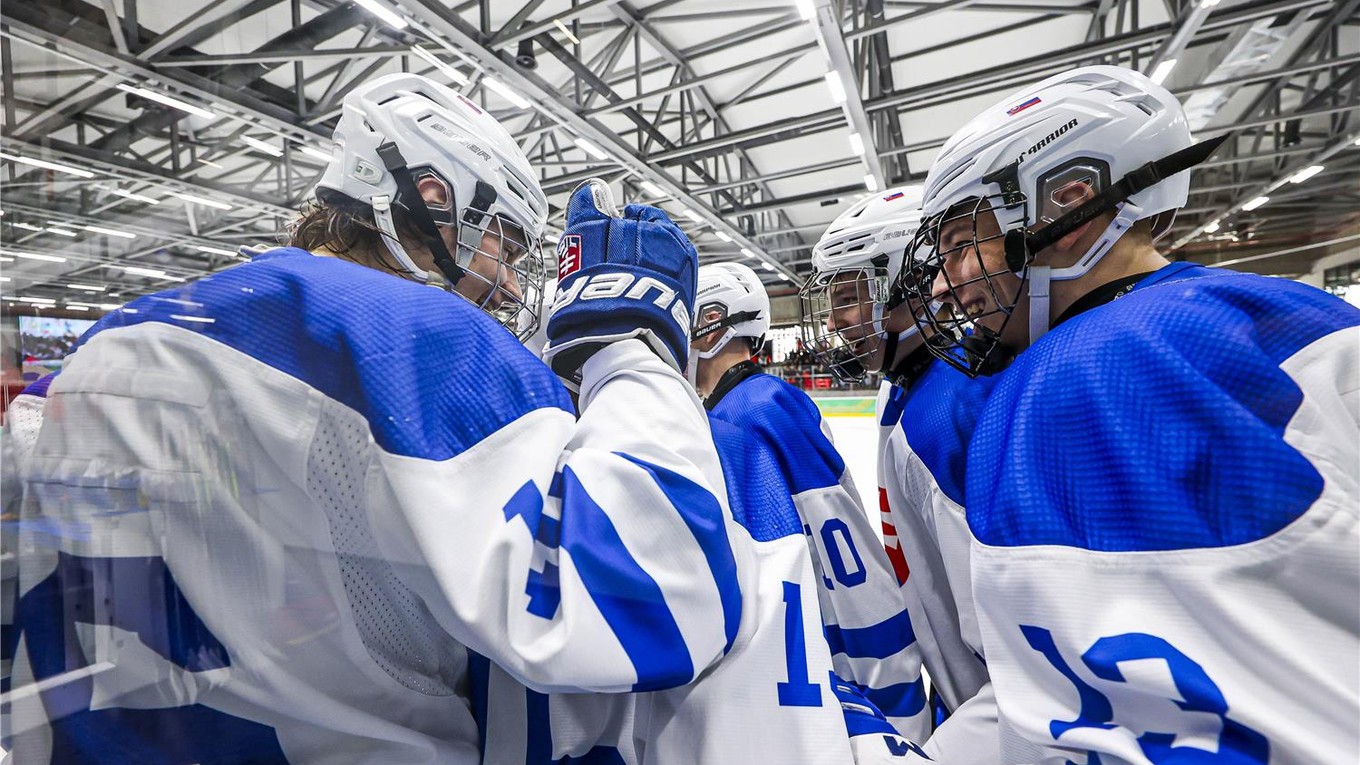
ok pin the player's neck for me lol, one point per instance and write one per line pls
(712, 370)
(1129, 257)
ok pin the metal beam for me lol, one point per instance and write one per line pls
(827, 26)
(285, 56)
(1335, 147)
(440, 23)
(1191, 19)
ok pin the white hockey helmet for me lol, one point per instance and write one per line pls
(402, 128)
(730, 297)
(867, 243)
(1111, 128)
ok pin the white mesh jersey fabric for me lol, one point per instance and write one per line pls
(396, 627)
(24, 418)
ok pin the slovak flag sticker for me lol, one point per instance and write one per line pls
(895, 195)
(1020, 108)
(568, 256)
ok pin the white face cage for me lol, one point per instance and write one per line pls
(503, 272)
(843, 319)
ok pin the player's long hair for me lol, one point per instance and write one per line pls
(345, 227)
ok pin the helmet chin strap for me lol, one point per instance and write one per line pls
(1126, 214)
(382, 216)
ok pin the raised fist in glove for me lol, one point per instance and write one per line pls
(620, 275)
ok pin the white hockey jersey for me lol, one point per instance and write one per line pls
(268, 513)
(864, 614)
(1165, 508)
(927, 535)
(774, 697)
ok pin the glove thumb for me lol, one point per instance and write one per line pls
(591, 201)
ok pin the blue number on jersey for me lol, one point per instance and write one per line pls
(835, 527)
(1237, 745)
(797, 692)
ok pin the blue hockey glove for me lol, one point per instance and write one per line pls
(620, 275)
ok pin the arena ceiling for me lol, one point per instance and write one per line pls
(168, 133)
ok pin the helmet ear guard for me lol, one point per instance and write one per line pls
(410, 197)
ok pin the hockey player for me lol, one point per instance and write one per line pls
(869, 630)
(778, 670)
(1161, 490)
(270, 513)
(925, 411)
(774, 697)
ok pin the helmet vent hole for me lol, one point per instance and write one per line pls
(960, 170)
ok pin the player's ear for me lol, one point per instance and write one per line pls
(706, 343)
(433, 191)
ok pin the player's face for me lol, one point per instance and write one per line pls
(974, 282)
(852, 317)
(494, 282)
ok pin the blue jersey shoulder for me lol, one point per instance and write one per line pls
(1154, 422)
(760, 499)
(938, 418)
(787, 424)
(432, 373)
(39, 387)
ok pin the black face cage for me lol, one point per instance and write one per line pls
(845, 348)
(954, 331)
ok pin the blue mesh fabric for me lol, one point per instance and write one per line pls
(39, 387)
(1154, 422)
(938, 418)
(756, 492)
(431, 373)
(787, 424)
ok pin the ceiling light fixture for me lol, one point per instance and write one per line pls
(566, 32)
(388, 16)
(444, 68)
(129, 195)
(44, 164)
(315, 153)
(590, 148)
(34, 256)
(201, 201)
(833, 81)
(505, 92)
(111, 232)
(1305, 174)
(171, 101)
(256, 143)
